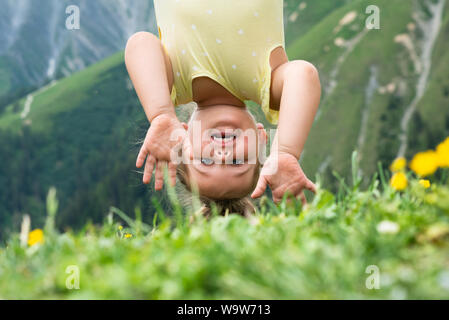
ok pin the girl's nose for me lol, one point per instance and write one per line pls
(222, 155)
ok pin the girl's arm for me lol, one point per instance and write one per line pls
(151, 72)
(298, 84)
(301, 94)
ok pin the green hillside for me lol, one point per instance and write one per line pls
(80, 136)
(370, 81)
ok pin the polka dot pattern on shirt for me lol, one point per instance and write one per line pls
(211, 39)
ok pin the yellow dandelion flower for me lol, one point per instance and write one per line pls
(128, 235)
(425, 183)
(35, 236)
(398, 164)
(424, 163)
(399, 181)
(120, 228)
(443, 153)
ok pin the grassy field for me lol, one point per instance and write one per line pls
(367, 244)
(284, 251)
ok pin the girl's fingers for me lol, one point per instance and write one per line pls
(310, 186)
(148, 171)
(159, 176)
(172, 173)
(141, 157)
(260, 188)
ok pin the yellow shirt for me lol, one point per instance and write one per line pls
(229, 41)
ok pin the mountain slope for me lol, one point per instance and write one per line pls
(35, 44)
(371, 79)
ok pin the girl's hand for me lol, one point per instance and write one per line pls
(285, 176)
(163, 139)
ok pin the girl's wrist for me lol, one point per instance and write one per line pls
(163, 114)
(283, 150)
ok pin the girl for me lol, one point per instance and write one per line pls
(219, 54)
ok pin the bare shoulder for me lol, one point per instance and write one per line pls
(280, 67)
(278, 57)
(278, 62)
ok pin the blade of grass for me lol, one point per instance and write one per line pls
(128, 220)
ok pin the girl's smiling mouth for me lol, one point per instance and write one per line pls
(224, 137)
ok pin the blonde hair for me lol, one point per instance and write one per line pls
(241, 206)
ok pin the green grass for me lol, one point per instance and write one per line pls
(321, 251)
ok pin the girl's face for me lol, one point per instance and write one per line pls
(225, 142)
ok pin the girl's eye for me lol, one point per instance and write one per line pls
(238, 161)
(207, 162)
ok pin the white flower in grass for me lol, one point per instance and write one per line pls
(388, 227)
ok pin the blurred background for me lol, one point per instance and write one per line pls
(69, 117)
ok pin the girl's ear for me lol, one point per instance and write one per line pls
(262, 133)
